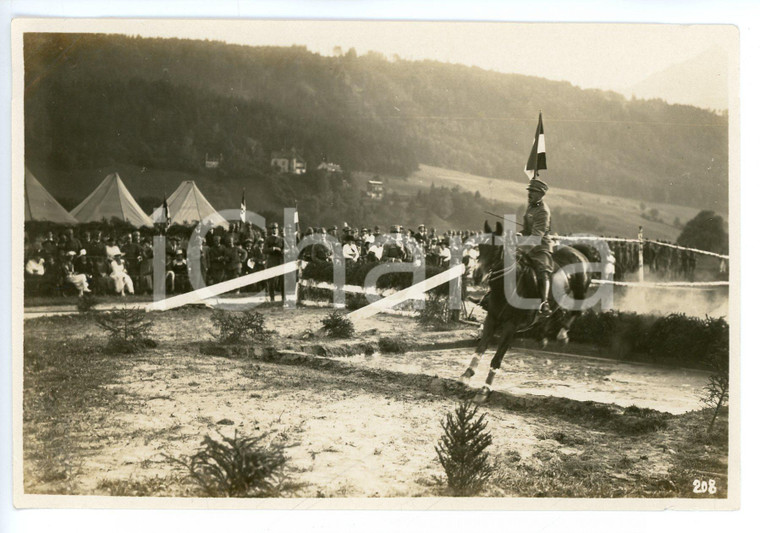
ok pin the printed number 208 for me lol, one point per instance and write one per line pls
(700, 487)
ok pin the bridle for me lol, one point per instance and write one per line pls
(493, 273)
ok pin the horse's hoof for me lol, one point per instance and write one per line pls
(465, 377)
(482, 396)
(544, 342)
(563, 337)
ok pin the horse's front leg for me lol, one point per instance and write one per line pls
(563, 331)
(504, 343)
(489, 326)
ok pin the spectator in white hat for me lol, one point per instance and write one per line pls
(120, 277)
(78, 280)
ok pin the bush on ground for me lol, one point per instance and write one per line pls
(338, 325)
(392, 345)
(436, 313)
(238, 467)
(128, 330)
(235, 327)
(86, 302)
(674, 339)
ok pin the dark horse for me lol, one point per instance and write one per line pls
(516, 320)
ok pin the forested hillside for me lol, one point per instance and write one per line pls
(97, 100)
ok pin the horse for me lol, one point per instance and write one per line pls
(493, 263)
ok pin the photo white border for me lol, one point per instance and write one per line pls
(664, 12)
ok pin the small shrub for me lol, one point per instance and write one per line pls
(462, 450)
(715, 393)
(128, 330)
(235, 327)
(355, 301)
(238, 467)
(436, 313)
(392, 345)
(86, 302)
(338, 326)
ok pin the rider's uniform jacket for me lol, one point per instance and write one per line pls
(538, 222)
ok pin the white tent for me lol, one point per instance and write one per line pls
(40, 205)
(111, 199)
(187, 205)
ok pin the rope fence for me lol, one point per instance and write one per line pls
(636, 241)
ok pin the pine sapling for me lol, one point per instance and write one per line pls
(462, 450)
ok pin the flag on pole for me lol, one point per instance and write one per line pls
(537, 157)
(242, 207)
(167, 214)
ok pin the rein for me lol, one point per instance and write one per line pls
(498, 273)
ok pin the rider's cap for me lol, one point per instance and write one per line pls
(538, 185)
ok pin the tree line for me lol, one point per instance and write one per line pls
(167, 102)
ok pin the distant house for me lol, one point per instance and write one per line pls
(289, 162)
(375, 189)
(213, 163)
(329, 167)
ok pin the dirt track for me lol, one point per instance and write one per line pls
(358, 426)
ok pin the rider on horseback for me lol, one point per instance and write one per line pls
(537, 223)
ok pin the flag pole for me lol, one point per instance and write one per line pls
(535, 163)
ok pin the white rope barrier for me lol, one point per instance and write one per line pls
(199, 295)
(636, 241)
(696, 250)
(663, 284)
(408, 293)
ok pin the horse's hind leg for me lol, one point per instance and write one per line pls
(488, 329)
(504, 343)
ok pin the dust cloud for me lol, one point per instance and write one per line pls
(690, 301)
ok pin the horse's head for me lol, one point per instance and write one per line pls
(490, 252)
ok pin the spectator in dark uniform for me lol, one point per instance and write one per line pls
(273, 251)
(321, 251)
(49, 246)
(235, 256)
(145, 267)
(131, 250)
(176, 273)
(306, 252)
(217, 259)
(393, 249)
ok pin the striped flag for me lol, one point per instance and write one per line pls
(242, 207)
(167, 214)
(537, 157)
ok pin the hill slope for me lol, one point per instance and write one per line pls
(701, 81)
(94, 100)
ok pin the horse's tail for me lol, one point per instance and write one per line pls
(579, 281)
(591, 253)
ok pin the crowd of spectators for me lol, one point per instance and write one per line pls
(121, 262)
(665, 262)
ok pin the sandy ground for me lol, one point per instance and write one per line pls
(524, 371)
(347, 437)
(350, 434)
(539, 372)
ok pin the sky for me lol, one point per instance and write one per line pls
(604, 56)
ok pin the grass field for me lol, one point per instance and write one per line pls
(102, 424)
(618, 216)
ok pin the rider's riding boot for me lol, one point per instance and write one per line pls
(544, 284)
